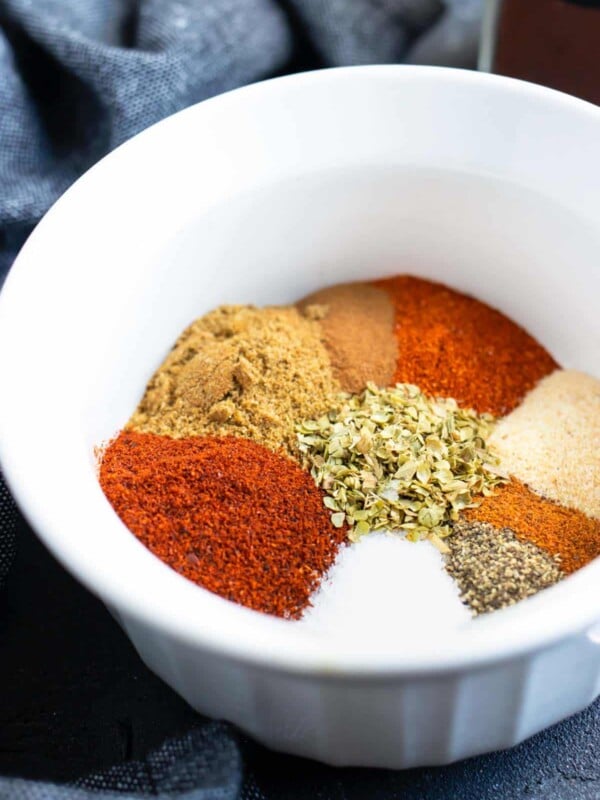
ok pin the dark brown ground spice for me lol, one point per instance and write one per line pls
(452, 345)
(557, 530)
(225, 512)
(357, 324)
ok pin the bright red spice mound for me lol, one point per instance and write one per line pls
(227, 513)
(451, 345)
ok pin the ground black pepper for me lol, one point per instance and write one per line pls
(495, 569)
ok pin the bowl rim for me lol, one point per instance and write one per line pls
(574, 610)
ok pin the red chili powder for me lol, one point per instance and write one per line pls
(451, 345)
(230, 515)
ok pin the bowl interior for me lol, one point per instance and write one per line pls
(261, 196)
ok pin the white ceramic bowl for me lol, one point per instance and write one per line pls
(262, 195)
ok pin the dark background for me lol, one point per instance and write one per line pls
(75, 698)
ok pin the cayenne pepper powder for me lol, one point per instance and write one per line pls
(451, 345)
(557, 530)
(225, 512)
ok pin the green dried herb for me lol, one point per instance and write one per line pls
(396, 459)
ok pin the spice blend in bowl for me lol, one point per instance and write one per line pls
(270, 437)
(486, 184)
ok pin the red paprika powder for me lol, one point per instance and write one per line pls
(451, 345)
(225, 512)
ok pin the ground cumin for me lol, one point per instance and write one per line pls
(557, 530)
(551, 441)
(452, 345)
(241, 371)
(357, 323)
(228, 514)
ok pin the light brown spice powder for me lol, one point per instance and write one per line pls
(241, 371)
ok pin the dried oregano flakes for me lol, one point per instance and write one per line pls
(396, 459)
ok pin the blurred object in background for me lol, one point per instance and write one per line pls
(453, 40)
(350, 32)
(552, 42)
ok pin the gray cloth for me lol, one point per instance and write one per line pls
(78, 77)
(204, 764)
(8, 515)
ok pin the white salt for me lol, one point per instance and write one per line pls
(383, 588)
